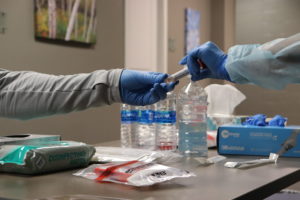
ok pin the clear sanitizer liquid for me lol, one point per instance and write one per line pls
(192, 107)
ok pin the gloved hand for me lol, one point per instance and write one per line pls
(256, 120)
(206, 61)
(143, 88)
(278, 120)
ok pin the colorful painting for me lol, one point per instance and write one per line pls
(192, 29)
(68, 20)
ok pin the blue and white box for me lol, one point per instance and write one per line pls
(257, 140)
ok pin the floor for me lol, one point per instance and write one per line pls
(296, 186)
(290, 193)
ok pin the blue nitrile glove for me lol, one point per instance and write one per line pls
(206, 61)
(256, 120)
(278, 120)
(143, 88)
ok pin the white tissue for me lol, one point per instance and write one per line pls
(223, 99)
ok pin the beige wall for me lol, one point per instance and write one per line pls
(222, 23)
(222, 26)
(229, 22)
(19, 51)
(217, 25)
(259, 21)
(176, 29)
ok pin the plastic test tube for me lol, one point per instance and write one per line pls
(178, 75)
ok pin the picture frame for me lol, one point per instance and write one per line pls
(66, 20)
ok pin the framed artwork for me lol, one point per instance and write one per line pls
(66, 20)
(192, 29)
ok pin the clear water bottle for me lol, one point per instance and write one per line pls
(192, 107)
(128, 125)
(145, 131)
(165, 118)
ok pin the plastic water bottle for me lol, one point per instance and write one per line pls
(145, 131)
(192, 107)
(165, 118)
(128, 125)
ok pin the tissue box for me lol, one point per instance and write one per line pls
(214, 121)
(255, 140)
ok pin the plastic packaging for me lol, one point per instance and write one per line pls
(192, 107)
(165, 118)
(253, 163)
(178, 75)
(135, 173)
(42, 157)
(145, 131)
(128, 125)
(116, 154)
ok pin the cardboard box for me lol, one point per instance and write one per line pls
(215, 121)
(256, 140)
(27, 138)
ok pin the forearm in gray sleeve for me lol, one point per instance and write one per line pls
(26, 95)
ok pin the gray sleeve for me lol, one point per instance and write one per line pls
(26, 95)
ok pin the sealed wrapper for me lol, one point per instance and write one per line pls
(135, 173)
(119, 154)
(253, 163)
(38, 158)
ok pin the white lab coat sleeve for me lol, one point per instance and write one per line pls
(254, 65)
(27, 95)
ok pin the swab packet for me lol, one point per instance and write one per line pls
(253, 163)
(135, 173)
(115, 154)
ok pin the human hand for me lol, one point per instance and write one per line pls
(278, 120)
(206, 61)
(256, 120)
(143, 88)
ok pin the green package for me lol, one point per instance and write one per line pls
(37, 158)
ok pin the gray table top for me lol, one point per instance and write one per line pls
(212, 182)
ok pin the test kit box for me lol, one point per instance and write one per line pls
(257, 140)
